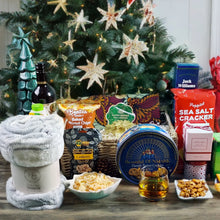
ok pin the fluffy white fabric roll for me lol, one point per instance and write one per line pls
(32, 140)
(50, 200)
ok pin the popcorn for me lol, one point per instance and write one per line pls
(116, 129)
(92, 182)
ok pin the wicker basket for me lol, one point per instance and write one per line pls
(171, 129)
(108, 148)
(106, 162)
(65, 163)
(107, 153)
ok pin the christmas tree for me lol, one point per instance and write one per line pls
(95, 46)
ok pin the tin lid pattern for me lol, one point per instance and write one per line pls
(145, 144)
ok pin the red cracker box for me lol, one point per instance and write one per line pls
(192, 105)
(197, 138)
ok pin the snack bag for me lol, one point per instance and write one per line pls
(142, 109)
(82, 143)
(192, 105)
(78, 113)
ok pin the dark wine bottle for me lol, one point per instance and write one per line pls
(43, 93)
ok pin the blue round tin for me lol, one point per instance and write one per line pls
(142, 145)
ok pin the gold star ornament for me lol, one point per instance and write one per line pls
(60, 4)
(133, 48)
(69, 43)
(111, 16)
(79, 20)
(94, 72)
(53, 63)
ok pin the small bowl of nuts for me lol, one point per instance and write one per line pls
(192, 189)
(93, 185)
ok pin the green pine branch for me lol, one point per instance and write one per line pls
(48, 31)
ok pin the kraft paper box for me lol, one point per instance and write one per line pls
(186, 76)
(198, 143)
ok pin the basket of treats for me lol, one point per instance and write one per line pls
(92, 130)
(106, 162)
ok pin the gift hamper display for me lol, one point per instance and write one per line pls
(106, 103)
(114, 116)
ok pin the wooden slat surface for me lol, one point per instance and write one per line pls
(124, 203)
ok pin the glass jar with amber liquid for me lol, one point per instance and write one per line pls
(154, 182)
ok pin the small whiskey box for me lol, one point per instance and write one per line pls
(186, 76)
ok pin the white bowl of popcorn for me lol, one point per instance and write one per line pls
(93, 185)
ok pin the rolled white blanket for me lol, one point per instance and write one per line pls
(50, 200)
(32, 140)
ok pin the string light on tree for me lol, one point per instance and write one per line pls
(6, 95)
(133, 48)
(79, 20)
(101, 38)
(111, 16)
(94, 72)
(65, 71)
(49, 35)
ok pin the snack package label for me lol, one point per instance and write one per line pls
(192, 105)
(79, 118)
(120, 111)
(78, 113)
(83, 154)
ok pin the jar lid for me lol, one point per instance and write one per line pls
(37, 107)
